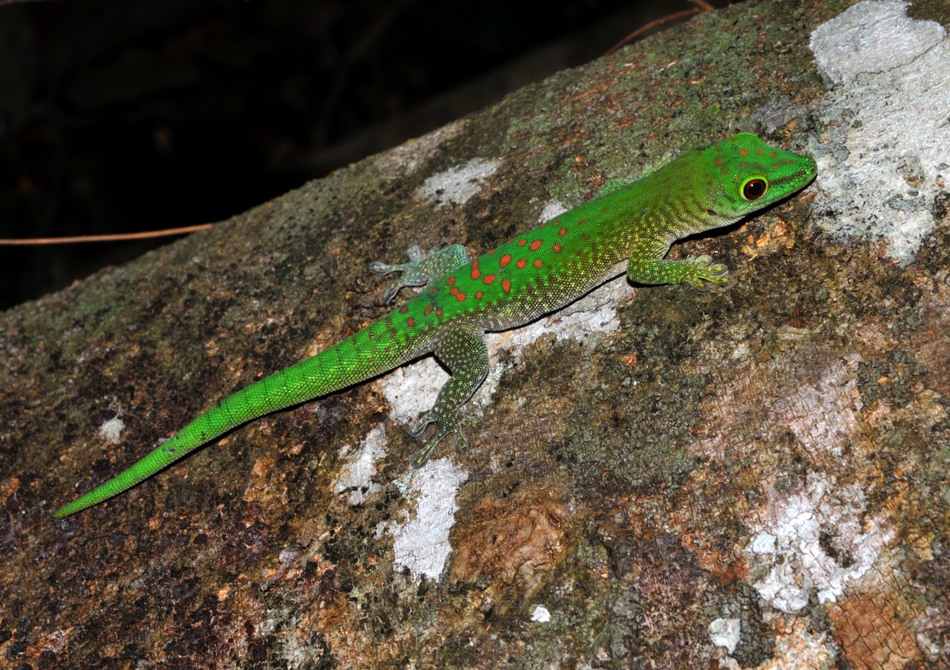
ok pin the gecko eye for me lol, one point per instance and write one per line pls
(754, 189)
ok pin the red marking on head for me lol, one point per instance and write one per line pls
(450, 281)
(538, 263)
(743, 152)
(404, 309)
(535, 245)
(505, 260)
(411, 322)
(521, 243)
(557, 248)
(489, 279)
(521, 263)
(506, 286)
(428, 310)
(460, 297)
(479, 294)
(562, 232)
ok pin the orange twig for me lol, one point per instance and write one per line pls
(653, 24)
(107, 238)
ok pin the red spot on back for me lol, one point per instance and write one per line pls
(582, 222)
(411, 322)
(718, 161)
(759, 151)
(492, 252)
(538, 263)
(562, 232)
(450, 281)
(479, 294)
(454, 291)
(557, 248)
(521, 263)
(404, 309)
(489, 279)
(535, 245)
(521, 243)
(460, 297)
(743, 152)
(776, 165)
(506, 286)
(431, 291)
(505, 260)
(544, 224)
(438, 312)
(476, 273)
(428, 310)
(773, 154)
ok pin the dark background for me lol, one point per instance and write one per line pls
(120, 116)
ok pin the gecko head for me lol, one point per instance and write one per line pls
(743, 174)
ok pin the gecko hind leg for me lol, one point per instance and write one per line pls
(464, 352)
(420, 270)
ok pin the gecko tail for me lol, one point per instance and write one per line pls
(354, 360)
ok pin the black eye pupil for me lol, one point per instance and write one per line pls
(754, 189)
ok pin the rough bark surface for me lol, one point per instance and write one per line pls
(771, 459)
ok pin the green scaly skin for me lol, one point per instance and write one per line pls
(630, 227)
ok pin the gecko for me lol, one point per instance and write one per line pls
(628, 228)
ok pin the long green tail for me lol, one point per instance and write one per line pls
(349, 362)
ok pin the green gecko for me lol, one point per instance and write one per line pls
(629, 227)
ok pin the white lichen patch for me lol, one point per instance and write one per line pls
(725, 633)
(355, 480)
(823, 417)
(882, 156)
(411, 155)
(551, 209)
(421, 540)
(112, 430)
(871, 37)
(823, 541)
(541, 614)
(459, 184)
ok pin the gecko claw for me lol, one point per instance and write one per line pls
(447, 426)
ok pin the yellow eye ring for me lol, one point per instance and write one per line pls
(755, 188)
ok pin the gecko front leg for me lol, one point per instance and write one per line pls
(420, 270)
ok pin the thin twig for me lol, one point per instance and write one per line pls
(653, 24)
(106, 238)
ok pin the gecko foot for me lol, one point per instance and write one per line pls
(420, 270)
(702, 270)
(447, 425)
